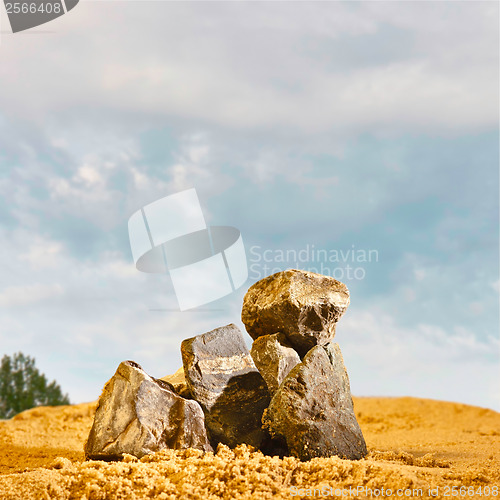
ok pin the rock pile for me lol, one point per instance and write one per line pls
(289, 395)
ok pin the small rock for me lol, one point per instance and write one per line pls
(178, 383)
(304, 306)
(138, 414)
(313, 411)
(274, 357)
(61, 463)
(222, 377)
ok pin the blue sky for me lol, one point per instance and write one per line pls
(331, 124)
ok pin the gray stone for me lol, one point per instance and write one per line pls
(222, 377)
(274, 357)
(138, 414)
(313, 411)
(304, 306)
(178, 383)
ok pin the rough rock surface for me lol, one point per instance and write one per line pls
(222, 377)
(178, 383)
(138, 414)
(304, 306)
(274, 357)
(313, 410)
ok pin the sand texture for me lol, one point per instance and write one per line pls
(414, 445)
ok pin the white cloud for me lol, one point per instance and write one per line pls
(192, 163)
(420, 274)
(89, 175)
(27, 295)
(205, 62)
(42, 253)
(386, 358)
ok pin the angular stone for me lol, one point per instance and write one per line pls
(313, 411)
(274, 357)
(178, 383)
(304, 306)
(138, 414)
(222, 377)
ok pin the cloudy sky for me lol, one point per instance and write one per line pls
(338, 126)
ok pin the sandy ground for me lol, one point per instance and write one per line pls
(418, 449)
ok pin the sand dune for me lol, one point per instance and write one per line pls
(422, 448)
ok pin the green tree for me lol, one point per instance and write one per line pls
(22, 386)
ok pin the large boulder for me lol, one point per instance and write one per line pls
(222, 377)
(274, 357)
(304, 306)
(138, 414)
(313, 410)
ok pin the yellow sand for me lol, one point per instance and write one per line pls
(415, 445)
